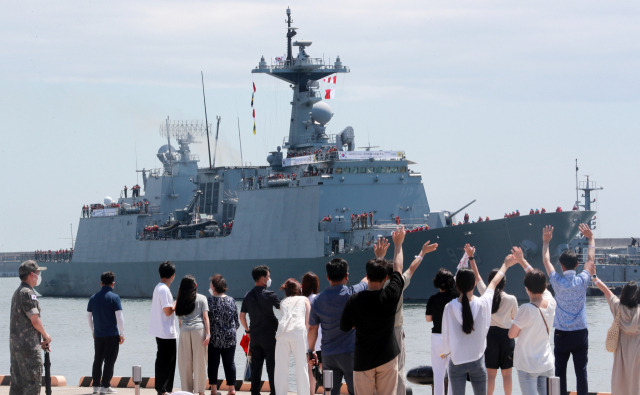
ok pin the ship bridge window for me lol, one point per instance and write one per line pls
(338, 170)
(385, 170)
(403, 169)
(393, 170)
(369, 169)
(378, 169)
(362, 170)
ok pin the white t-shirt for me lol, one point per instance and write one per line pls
(160, 325)
(464, 347)
(533, 353)
(507, 310)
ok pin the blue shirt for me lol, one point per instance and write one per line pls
(103, 306)
(326, 310)
(571, 295)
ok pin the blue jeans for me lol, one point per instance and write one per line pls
(477, 373)
(534, 383)
(574, 343)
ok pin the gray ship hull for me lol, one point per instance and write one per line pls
(136, 278)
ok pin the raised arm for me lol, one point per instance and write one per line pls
(590, 264)
(380, 247)
(547, 235)
(603, 287)
(519, 256)
(398, 238)
(426, 248)
(508, 262)
(470, 250)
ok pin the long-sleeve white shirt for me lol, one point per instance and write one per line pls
(467, 348)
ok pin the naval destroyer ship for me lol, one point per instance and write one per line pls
(315, 199)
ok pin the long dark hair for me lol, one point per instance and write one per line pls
(629, 295)
(465, 282)
(186, 300)
(497, 295)
(310, 284)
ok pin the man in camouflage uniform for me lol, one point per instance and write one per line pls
(27, 334)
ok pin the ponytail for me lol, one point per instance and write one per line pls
(465, 282)
(467, 316)
(497, 295)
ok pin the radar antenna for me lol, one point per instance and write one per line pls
(291, 31)
(183, 130)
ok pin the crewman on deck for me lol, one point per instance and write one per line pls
(466, 218)
(125, 191)
(371, 218)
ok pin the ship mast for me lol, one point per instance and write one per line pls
(586, 187)
(302, 73)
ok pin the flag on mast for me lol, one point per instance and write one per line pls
(254, 127)
(329, 94)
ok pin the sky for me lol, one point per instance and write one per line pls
(492, 100)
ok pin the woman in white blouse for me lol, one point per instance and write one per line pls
(533, 356)
(499, 351)
(465, 324)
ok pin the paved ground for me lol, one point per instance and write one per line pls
(4, 390)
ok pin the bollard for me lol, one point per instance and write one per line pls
(553, 385)
(327, 381)
(136, 377)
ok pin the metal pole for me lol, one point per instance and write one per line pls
(553, 386)
(136, 377)
(327, 381)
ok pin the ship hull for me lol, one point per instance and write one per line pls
(137, 278)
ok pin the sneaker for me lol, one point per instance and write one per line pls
(96, 390)
(108, 390)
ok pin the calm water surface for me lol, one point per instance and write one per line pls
(72, 347)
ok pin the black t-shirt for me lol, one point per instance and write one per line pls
(435, 308)
(373, 313)
(259, 303)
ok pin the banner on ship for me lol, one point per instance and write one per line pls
(376, 155)
(105, 212)
(298, 160)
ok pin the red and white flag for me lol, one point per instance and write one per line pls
(330, 80)
(329, 93)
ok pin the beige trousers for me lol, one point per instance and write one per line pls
(381, 380)
(192, 361)
(399, 333)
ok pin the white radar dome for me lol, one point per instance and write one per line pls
(108, 200)
(321, 113)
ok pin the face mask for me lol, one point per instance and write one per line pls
(211, 291)
(268, 283)
(39, 279)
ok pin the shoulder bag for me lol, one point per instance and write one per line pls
(613, 333)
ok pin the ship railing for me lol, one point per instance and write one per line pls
(302, 62)
(156, 172)
(327, 139)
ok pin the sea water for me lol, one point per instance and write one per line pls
(65, 319)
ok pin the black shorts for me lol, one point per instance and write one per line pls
(499, 352)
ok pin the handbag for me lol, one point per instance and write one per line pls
(247, 369)
(613, 333)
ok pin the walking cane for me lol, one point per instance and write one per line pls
(47, 371)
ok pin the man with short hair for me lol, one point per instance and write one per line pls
(26, 333)
(337, 347)
(372, 314)
(259, 304)
(106, 321)
(571, 336)
(163, 326)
